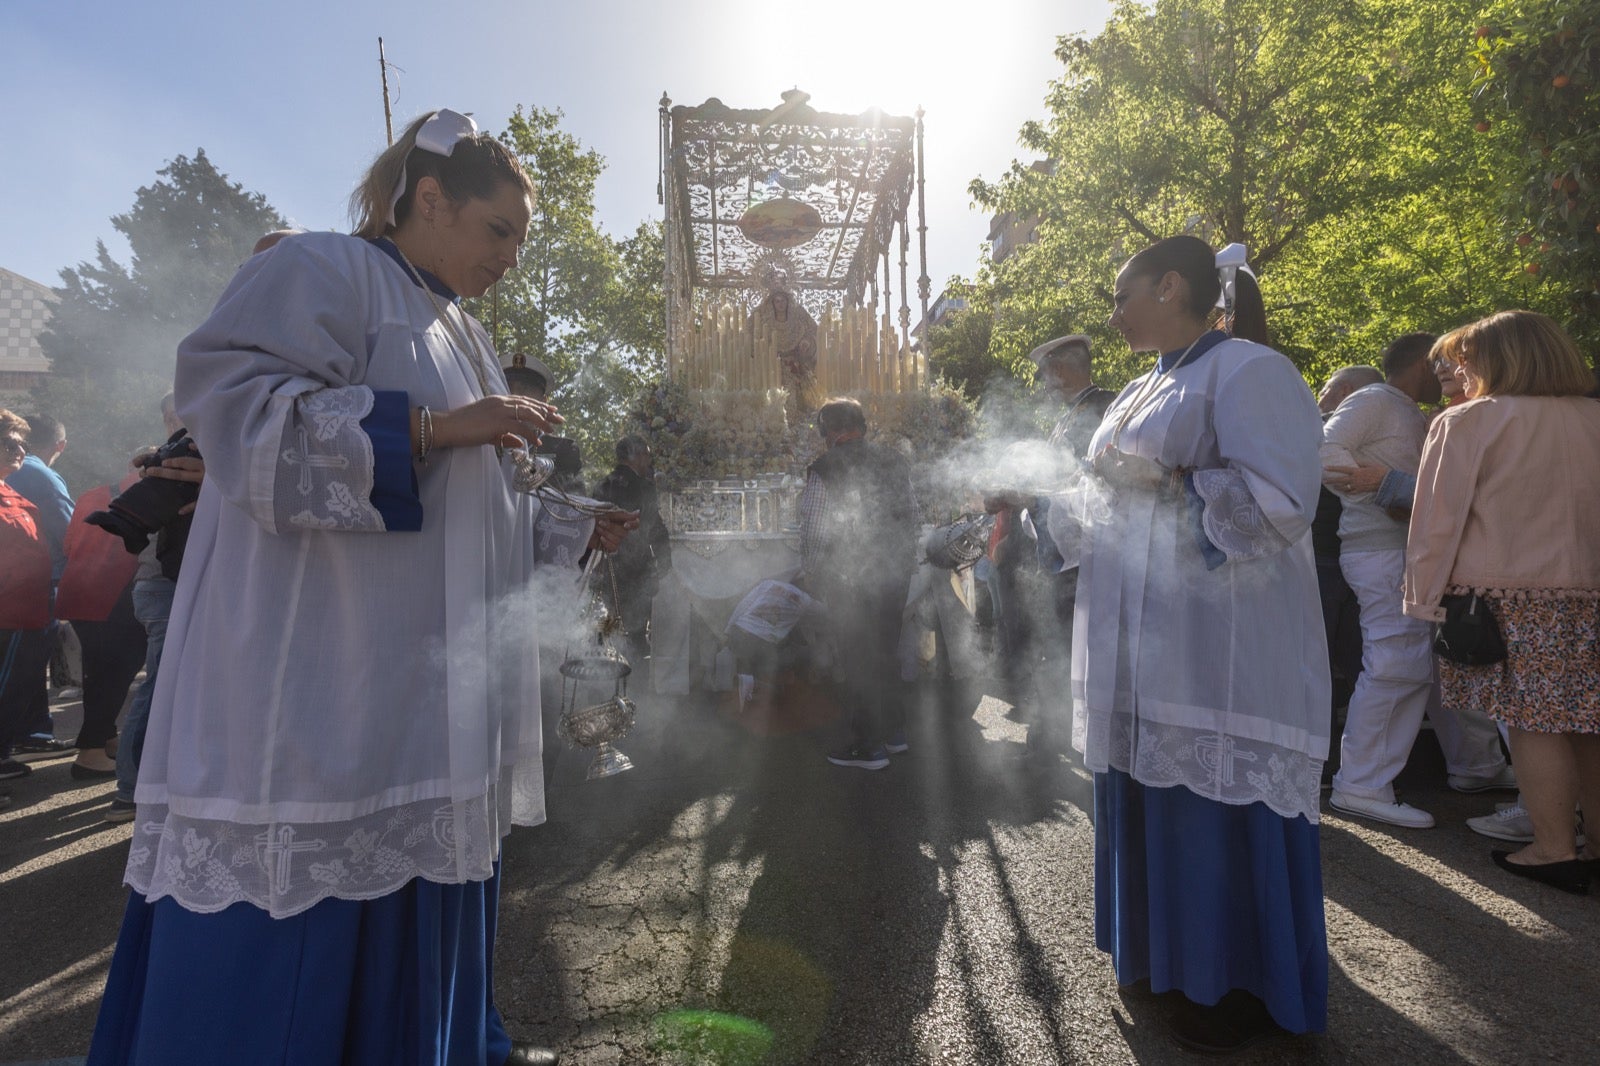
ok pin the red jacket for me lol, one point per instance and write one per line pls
(98, 566)
(24, 565)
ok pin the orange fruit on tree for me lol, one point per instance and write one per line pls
(1560, 81)
(1532, 268)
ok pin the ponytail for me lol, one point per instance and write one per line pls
(474, 170)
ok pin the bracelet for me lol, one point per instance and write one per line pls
(424, 434)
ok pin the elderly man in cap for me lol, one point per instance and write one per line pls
(1066, 372)
(529, 376)
(1066, 375)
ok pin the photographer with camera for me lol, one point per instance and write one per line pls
(171, 473)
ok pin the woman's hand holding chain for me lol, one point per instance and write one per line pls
(504, 421)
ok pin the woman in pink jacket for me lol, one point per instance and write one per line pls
(1508, 507)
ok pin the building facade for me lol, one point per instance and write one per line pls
(25, 307)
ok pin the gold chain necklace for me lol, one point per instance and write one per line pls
(1146, 395)
(463, 336)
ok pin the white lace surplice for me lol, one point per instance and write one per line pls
(1215, 680)
(339, 708)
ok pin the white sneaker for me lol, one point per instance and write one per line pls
(1511, 824)
(1504, 781)
(1401, 814)
(1511, 821)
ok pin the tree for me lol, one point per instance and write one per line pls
(591, 307)
(626, 331)
(958, 348)
(1538, 85)
(113, 335)
(543, 307)
(1295, 127)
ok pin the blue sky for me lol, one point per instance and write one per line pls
(285, 98)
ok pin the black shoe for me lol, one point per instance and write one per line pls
(1569, 876)
(861, 758)
(121, 811)
(1237, 1021)
(40, 745)
(10, 768)
(81, 772)
(525, 1054)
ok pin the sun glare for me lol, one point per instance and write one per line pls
(851, 55)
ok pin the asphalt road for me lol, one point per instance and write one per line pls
(735, 899)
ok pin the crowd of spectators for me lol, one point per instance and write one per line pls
(1216, 573)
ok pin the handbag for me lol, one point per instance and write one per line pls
(1469, 634)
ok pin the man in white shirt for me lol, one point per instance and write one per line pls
(1383, 424)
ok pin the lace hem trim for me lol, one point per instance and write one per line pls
(286, 868)
(1215, 766)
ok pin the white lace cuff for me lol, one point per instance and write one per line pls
(1232, 520)
(325, 464)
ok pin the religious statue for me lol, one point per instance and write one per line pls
(795, 335)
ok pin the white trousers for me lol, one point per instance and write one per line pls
(1398, 686)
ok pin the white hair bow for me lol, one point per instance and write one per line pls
(439, 135)
(1230, 260)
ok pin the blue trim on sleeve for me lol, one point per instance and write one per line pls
(1212, 554)
(394, 479)
(1398, 489)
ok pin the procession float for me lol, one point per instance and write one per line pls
(788, 242)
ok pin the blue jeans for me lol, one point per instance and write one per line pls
(152, 604)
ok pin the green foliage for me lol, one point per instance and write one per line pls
(113, 335)
(1334, 141)
(540, 307)
(1538, 85)
(589, 306)
(958, 348)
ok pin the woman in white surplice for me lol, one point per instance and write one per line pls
(346, 720)
(1199, 678)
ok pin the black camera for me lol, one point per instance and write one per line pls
(151, 504)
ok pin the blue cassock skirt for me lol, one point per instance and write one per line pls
(402, 980)
(1205, 897)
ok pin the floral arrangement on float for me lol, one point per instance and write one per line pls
(704, 436)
